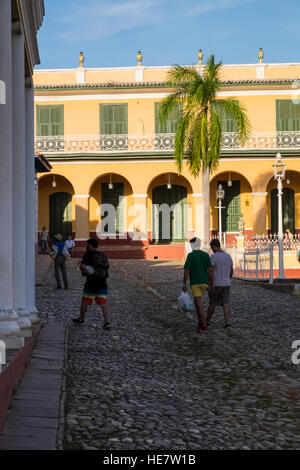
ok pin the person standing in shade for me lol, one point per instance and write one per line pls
(94, 266)
(219, 293)
(59, 255)
(44, 239)
(198, 269)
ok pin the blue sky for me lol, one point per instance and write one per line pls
(111, 32)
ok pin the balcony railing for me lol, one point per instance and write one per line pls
(123, 143)
(105, 143)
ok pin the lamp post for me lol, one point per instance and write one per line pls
(279, 175)
(220, 193)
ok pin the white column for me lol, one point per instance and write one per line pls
(138, 228)
(30, 206)
(9, 328)
(19, 196)
(198, 215)
(280, 230)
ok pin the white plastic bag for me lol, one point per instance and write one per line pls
(185, 303)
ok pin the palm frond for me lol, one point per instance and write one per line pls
(198, 132)
(237, 112)
(180, 74)
(212, 70)
(182, 140)
(169, 104)
(214, 140)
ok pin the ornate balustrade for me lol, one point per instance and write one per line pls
(105, 143)
(157, 142)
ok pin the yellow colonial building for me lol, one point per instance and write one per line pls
(99, 129)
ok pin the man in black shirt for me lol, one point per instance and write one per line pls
(94, 266)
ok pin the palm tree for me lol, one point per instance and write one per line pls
(199, 118)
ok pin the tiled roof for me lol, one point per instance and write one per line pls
(281, 81)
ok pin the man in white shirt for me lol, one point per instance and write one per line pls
(70, 244)
(219, 293)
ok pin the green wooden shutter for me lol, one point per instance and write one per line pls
(288, 210)
(115, 197)
(227, 123)
(178, 217)
(169, 125)
(57, 120)
(43, 120)
(113, 119)
(61, 214)
(232, 206)
(158, 125)
(295, 116)
(287, 116)
(274, 211)
(50, 120)
(120, 113)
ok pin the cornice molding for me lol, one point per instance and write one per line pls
(31, 18)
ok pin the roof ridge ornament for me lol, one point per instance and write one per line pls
(81, 59)
(260, 55)
(139, 58)
(200, 57)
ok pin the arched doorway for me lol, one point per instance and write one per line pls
(60, 205)
(110, 192)
(288, 210)
(237, 203)
(114, 196)
(169, 213)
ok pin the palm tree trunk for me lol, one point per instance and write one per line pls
(206, 207)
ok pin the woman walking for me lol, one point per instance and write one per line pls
(59, 255)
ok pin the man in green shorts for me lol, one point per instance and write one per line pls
(198, 269)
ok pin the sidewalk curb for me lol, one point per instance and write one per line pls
(63, 395)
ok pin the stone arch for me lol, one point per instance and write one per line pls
(99, 189)
(50, 185)
(182, 197)
(291, 202)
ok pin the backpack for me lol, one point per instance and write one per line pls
(100, 265)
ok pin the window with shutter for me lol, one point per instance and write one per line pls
(50, 120)
(169, 125)
(287, 116)
(113, 119)
(227, 123)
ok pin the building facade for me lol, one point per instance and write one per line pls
(100, 130)
(19, 23)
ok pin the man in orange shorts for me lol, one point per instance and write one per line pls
(94, 266)
(198, 268)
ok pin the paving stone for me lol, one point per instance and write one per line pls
(153, 383)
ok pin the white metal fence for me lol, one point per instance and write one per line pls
(264, 241)
(254, 265)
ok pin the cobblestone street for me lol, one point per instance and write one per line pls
(153, 383)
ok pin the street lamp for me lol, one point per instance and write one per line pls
(220, 193)
(110, 184)
(279, 175)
